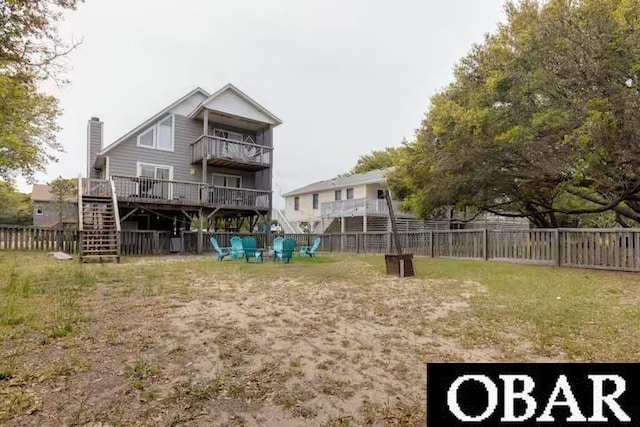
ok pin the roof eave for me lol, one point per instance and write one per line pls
(151, 120)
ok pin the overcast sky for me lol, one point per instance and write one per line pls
(346, 77)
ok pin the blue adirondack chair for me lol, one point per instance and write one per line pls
(236, 250)
(286, 253)
(250, 248)
(222, 252)
(311, 250)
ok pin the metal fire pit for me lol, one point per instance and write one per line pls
(399, 264)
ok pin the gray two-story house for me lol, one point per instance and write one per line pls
(204, 158)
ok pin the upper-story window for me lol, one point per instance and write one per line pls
(349, 193)
(338, 195)
(227, 134)
(380, 193)
(296, 203)
(315, 200)
(159, 136)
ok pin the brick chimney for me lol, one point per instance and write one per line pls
(94, 145)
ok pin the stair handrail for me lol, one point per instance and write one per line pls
(116, 213)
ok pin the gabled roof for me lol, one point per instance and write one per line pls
(151, 120)
(340, 182)
(42, 193)
(274, 120)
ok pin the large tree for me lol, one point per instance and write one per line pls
(378, 159)
(31, 51)
(15, 207)
(541, 119)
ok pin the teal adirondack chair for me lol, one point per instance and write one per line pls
(250, 248)
(236, 250)
(277, 245)
(286, 253)
(311, 250)
(222, 252)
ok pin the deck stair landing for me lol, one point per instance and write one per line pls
(99, 222)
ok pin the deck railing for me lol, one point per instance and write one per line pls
(95, 187)
(184, 193)
(210, 147)
(357, 207)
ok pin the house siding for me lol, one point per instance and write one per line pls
(307, 213)
(123, 158)
(50, 216)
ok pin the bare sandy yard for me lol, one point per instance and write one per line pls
(190, 341)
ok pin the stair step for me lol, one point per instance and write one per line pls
(101, 258)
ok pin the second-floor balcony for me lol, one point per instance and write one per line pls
(358, 207)
(231, 153)
(183, 193)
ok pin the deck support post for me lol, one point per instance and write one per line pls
(205, 132)
(200, 230)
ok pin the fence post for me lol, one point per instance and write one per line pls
(156, 242)
(431, 245)
(486, 245)
(556, 235)
(357, 243)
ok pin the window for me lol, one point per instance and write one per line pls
(231, 181)
(227, 134)
(165, 134)
(154, 171)
(349, 193)
(152, 187)
(296, 203)
(337, 195)
(39, 211)
(380, 193)
(147, 137)
(315, 200)
(158, 136)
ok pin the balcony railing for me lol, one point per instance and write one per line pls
(227, 151)
(358, 207)
(184, 193)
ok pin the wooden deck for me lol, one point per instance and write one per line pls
(159, 192)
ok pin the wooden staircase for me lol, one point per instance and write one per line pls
(99, 222)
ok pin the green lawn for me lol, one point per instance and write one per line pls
(330, 341)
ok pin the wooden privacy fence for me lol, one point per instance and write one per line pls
(610, 249)
(35, 238)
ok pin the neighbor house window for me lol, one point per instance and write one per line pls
(296, 203)
(338, 195)
(315, 200)
(349, 193)
(380, 194)
(39, 211)
(231, 181)
(158, 136)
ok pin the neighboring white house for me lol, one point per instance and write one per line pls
(356, 203)
(344, 204)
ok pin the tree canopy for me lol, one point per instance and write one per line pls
(378, 159)
(31, 51)
(541, 119)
